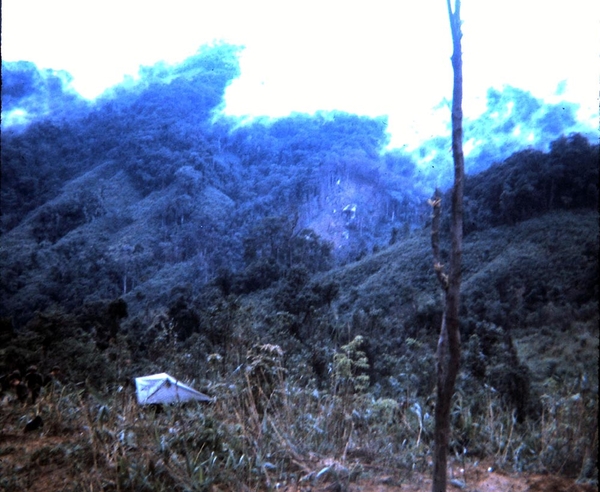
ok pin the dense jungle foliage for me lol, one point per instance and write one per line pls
(145, 233)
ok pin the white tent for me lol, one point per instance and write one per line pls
(162, 388)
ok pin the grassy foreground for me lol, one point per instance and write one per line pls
(263, 432)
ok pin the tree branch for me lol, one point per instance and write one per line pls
(436, 204)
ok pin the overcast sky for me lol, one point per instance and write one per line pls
(371, 57)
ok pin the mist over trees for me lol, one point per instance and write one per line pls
(30, 94)
(151, 175)
(513, 120)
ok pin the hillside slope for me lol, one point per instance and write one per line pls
(533, 283)
(334, 369)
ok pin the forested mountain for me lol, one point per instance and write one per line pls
(149, 182)
(148, 227)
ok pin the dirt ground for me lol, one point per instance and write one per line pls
(477, 478)
(483, 481)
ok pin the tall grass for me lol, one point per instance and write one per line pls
(264, 430)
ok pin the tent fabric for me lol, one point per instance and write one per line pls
(162, 388)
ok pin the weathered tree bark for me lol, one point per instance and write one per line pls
(448, 350)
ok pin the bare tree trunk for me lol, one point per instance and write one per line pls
(448, 351)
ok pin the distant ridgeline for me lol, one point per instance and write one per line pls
(151, 187)
(531, 182)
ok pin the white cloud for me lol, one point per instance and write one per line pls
(381, 57)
